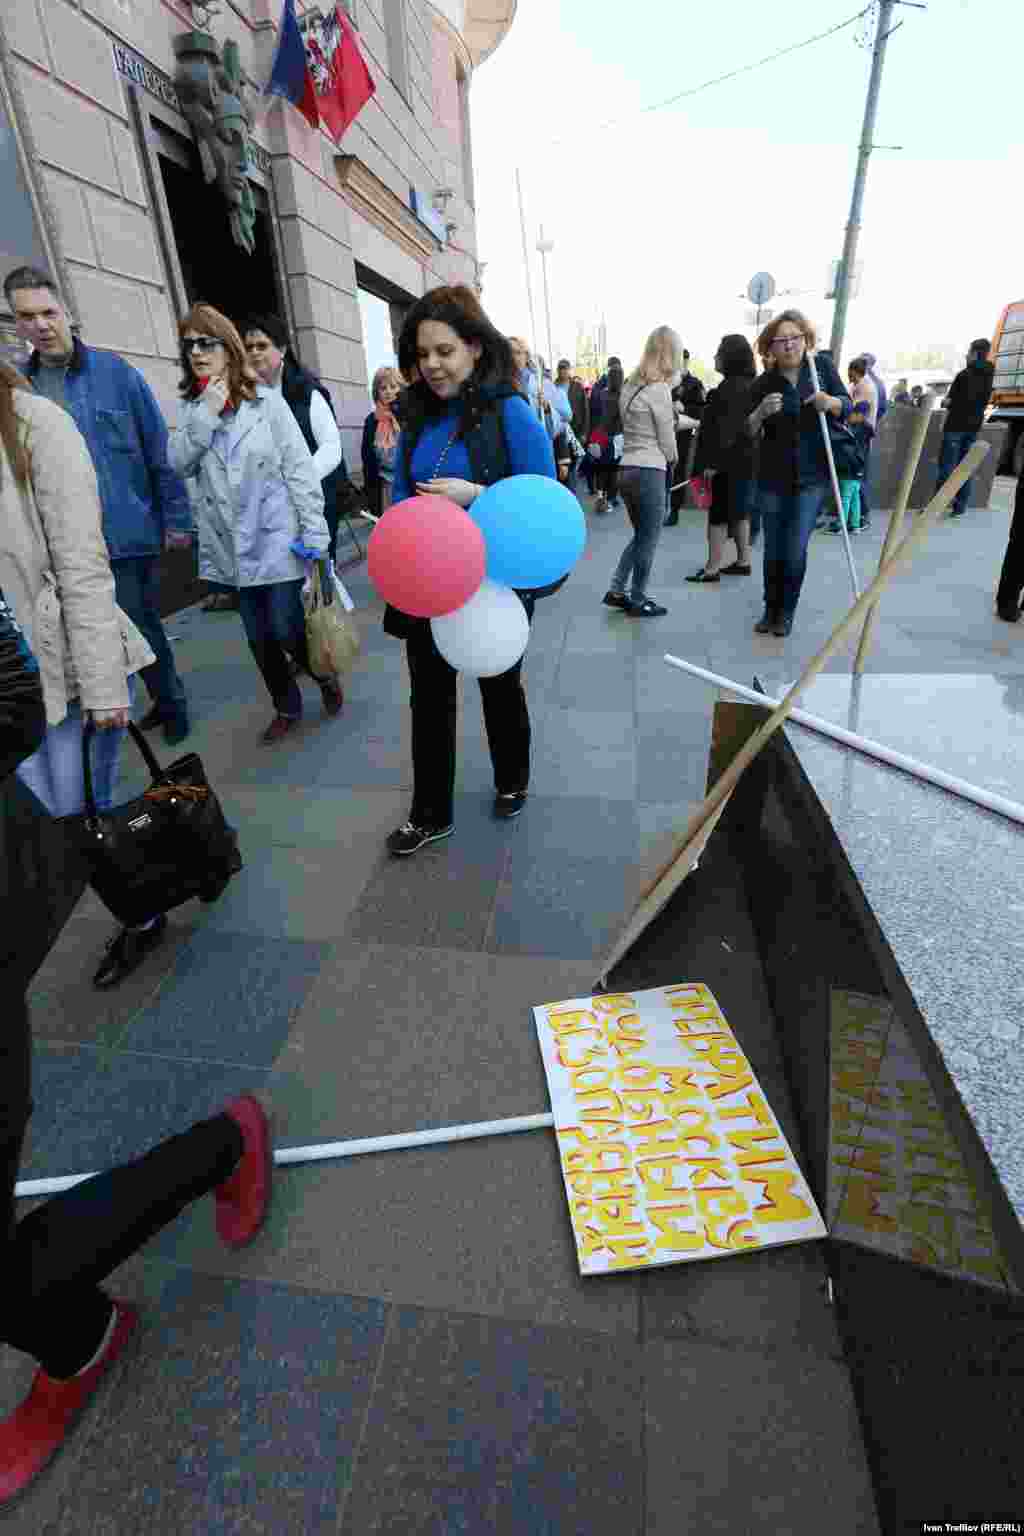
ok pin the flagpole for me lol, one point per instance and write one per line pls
(526, 265)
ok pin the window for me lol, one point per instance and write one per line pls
(378, 335)
(396, 32)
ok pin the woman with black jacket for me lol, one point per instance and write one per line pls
(309, 400)
(466, 425)
(727, 454)
(380, 438)
(52, 1306)
(793, 476)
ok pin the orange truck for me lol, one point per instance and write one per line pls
(1008, 384)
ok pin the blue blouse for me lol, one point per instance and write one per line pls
(529, 449)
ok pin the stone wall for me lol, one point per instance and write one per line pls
(889, 454)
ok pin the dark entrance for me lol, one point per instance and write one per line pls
(213, 267)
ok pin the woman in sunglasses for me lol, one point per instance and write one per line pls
(793, 479)
(258, 499)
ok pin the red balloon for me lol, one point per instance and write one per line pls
(426, 556)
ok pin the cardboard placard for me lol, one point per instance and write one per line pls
(670, 1151)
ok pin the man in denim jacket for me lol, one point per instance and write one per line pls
(145, 505)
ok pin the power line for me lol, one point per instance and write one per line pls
(745, 69)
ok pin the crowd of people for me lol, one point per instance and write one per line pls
(94, 488)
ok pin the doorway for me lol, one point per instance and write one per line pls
(215, 270)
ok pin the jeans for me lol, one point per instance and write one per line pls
(955, 447)
(788, 518)
(137, 586)
(275, 624)
(54, 771)
(54, 1259)
(850, 490)
(643, 491)
(434, 706)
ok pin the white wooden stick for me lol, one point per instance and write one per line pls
(833, 476)
(333, 1149)
(863, 744)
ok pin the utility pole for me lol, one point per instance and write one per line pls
(844, 277)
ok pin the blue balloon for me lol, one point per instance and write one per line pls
(534, 530)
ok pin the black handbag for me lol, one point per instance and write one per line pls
(849, 450)
(157, 851)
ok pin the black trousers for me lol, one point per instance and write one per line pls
(434, 708)
(53, 1260)
(1011, 579)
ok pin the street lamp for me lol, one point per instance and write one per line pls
(545, 247)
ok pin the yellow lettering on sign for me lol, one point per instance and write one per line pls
(725, 1214)
(614, 1002)
(722, 1090)
(678, 1231)
(935, 1230)
(753, 1107)
(661, 1176)
(753, 1148)
(599, 1104)
(657, 1137)
(574, 1022)
(587, 1055)
(681, 1082)
(708, 1170)
(624, 1251)
(642, 1105)
(867, 1157)
(856, 1085)
(591, 1079)
(860, 1205)
(781, 1202)
(637, 1074)
(593, 1185)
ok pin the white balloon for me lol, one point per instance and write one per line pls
(485, 636)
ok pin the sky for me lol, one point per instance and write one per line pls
(663, 217)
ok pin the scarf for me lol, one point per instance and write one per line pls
(388, 429)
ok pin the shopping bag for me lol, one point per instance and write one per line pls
(701, 491)
(332, 635)
(161, 848)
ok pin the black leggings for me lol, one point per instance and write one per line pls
(434, 704)
(53, 1260)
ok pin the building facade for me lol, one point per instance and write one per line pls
(144, 187)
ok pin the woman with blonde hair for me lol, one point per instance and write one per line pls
(259, 502)
(380, 439)
(793, 477)
(649, 449)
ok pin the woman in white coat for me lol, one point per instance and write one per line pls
(258, 503)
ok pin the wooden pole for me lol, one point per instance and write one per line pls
(664, 885)
(918, 433)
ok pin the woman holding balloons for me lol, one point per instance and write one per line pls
(469, 532)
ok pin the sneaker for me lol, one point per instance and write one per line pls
(705, 575)
(837, 527)
(1008, 612)
(41, 1423)
(738, 568)
(242, 1200)
(646, 610)
(410, 838)
(333, 697)
(601, 504)
(126, 952)
(508, 806)
(782, 627)
(615, 600)
(766, 623)
(278, 729)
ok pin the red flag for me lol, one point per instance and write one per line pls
(343, 83)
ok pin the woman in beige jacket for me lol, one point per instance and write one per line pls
(649, 431)
(55, 575)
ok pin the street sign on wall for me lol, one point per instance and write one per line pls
(761, 288)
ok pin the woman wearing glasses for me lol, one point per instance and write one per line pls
(793, 479)
(257, 497)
